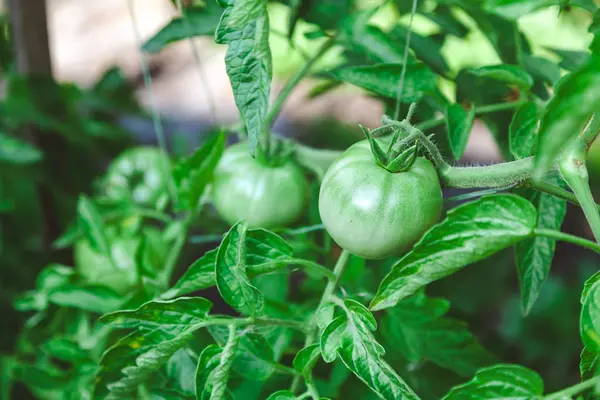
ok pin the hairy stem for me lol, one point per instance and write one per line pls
(490, 176)
(338, 270)
(570, 392)
(574, 172)
(565, 237)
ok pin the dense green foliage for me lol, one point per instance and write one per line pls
(268, 269)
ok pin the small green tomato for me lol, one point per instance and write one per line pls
(374, 213)
(138, 175)
(266, 196)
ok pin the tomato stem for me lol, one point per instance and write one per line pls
(565, 237)
(497, 175)
(289, 87)
(573, 390)
(338, 271)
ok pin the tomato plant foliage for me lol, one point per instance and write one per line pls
(271, 269)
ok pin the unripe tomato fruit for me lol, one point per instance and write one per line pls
(121, 275)
(266, 196)
(138, 174)
(374, 213)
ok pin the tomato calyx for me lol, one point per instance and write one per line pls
(402, 151)
(276, 153)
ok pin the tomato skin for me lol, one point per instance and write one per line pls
(122, 274)
(138, 175)
(266, 196)
(374, 213)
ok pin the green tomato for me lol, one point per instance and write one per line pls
(121, 274)
(266, 196)
(138, 175)
(374, 213)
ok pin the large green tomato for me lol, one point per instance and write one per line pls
(374, 213)
(139, 175)
(121, 275)
(266, 196)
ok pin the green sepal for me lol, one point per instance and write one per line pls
(404, 160)
(380, 157)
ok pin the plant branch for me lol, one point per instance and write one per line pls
(291, 84)
(488, 109)
(175, 251)
(565, 237)
(497, 175)
(573, 390)
(338, 270)
(557, 191)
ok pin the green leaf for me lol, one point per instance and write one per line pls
(331, 338)
(359, 351)
(134, 358)
(90, 223)
(575, 99)
(459, 124)
(197, 21)
(571, 59)
(98, 299)
(282, 395)
(200, 275)
(419, 328)
(320, 12)
(306, 359)
(425, 48)
(589, 283)
(175, 315)
(510, 74)
(500, 382)
(254, 358)
(469, 233)
(382, 79)
(522, 130)
(589, 364)
(244, 26)
(209, 360)
(514, 9)
(443, 17)
(264, 253)
(194, 173)
(589, 326)
(533, 256)
(232, 281)
(179, 368)
(65, 349)
(18, 152)
(542, 68)
(373, 43)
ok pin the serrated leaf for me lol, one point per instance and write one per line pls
(331, 338)
(511, 74)
(254, 358)
(171, 315)
(197, 21)
(324, 315)
(362, 354)
(459, 124)
(208, 361)
(500, 382)
(232, 281)
(97, 299)
(469, 233)
(18, 152)
(575, 98)
(382, 79)
(134, 358)
(419, 328)
(244, 26)
(589, 326)
(194, 173)
(90, 223)
(306, 358)
(542, 68)
(264, 252)
(522, 130)
(533, 256)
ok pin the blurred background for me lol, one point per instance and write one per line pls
(106, 106)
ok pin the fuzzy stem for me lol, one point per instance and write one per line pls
(565, 237)
(490, 176)
(573, 390)
(338, 270)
